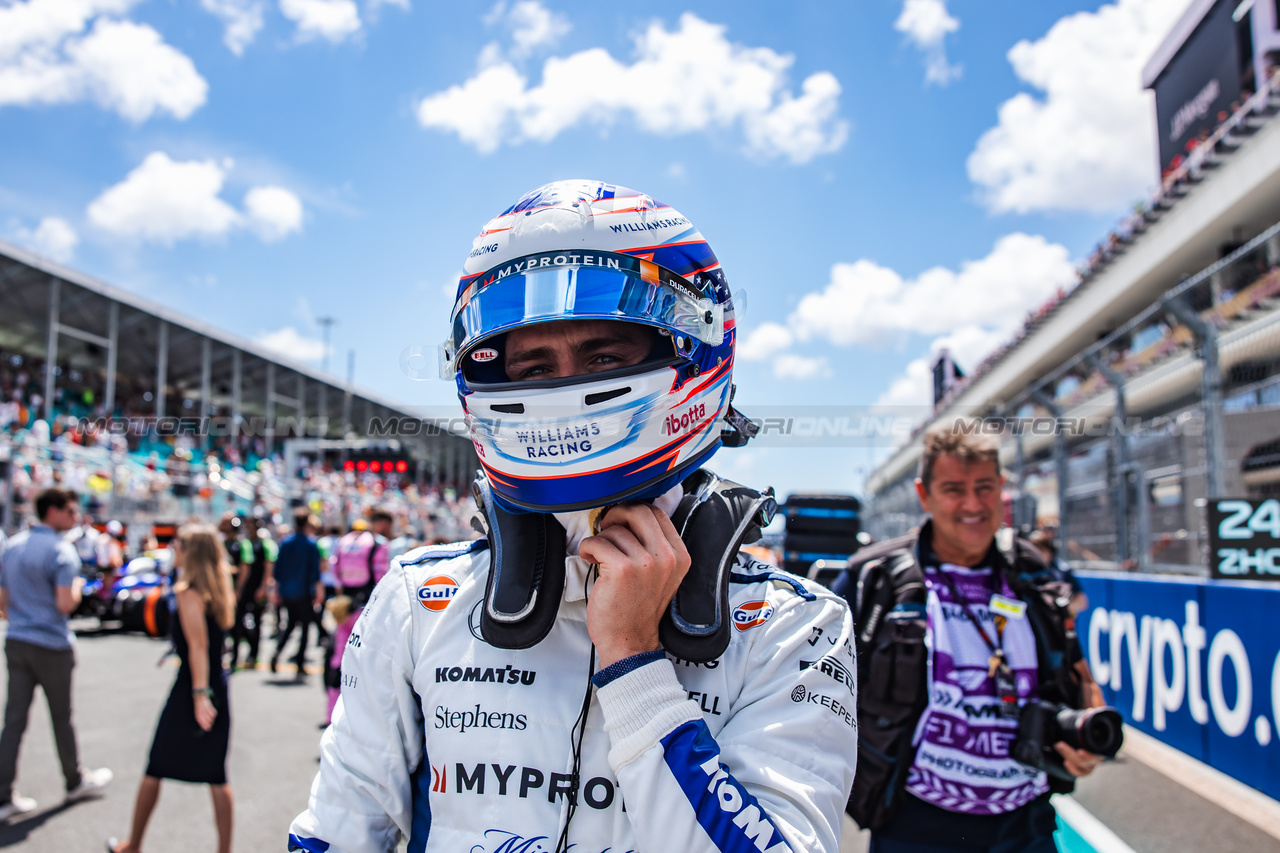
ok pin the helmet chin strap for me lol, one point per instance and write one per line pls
(527, 553)
(741, 429)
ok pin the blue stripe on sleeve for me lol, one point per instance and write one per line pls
(733, 819)
(420, 826)
(310, 845)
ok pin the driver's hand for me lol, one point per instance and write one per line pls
(642, 562)
(1077, 761)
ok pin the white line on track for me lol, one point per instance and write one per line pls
(1229, 794)
(1095, 833)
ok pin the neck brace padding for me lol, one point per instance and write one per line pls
(527, 572)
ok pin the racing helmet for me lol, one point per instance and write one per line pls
(586, 250)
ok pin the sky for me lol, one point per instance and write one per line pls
(883, 178)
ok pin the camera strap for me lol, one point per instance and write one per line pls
(998, 664)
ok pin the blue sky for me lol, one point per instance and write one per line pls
(882, 177)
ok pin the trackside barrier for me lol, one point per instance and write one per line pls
(1193, 663)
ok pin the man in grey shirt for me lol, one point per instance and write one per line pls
(40, 586)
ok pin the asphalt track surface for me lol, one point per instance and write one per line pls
(119, 690)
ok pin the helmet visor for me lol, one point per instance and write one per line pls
(577, 285)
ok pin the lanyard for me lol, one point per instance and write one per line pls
(963, 601)
(997, 665)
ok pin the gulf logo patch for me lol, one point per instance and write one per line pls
(436, 593)
(752, 613)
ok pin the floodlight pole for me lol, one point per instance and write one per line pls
(346, 401)
(326, 323)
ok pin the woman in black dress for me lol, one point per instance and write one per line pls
(191, 738)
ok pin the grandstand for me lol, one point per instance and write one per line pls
(142, 400)
(1153, 384)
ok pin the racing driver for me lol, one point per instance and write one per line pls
(517, 693)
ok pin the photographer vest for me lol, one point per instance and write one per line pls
(885, 588)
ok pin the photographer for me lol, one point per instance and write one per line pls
(965, 656)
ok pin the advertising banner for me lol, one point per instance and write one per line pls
(1201, 80)
(1244, 539)
(1194, 663)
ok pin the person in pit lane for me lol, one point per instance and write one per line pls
(585, 677)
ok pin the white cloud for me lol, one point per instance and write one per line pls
(800, 128)
(764, 342)
(684, 80)
(926, 24)
(491, 54)
(53, 237)
(163, 201)
(792, 366)
(334, 20)
(1089, 143)
(769, 342)
(243, 20)
(273, 212)
(46, 58)
(914, 387)
(288, 341)
(968, 345)
(129, 68)
(865, 303)
(531, 25)
(970, 311)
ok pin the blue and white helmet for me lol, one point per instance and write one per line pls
(590, 250)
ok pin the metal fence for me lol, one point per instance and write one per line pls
(1179, 404)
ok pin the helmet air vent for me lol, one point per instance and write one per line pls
(606, 396)
(508, 408)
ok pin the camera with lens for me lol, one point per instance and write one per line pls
(1042, 724)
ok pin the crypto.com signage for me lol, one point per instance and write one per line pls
(1194, 663)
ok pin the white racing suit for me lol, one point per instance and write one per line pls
(467, 748)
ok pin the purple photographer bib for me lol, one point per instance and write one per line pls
(963, 759)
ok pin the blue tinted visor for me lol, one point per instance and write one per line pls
(577, 285)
